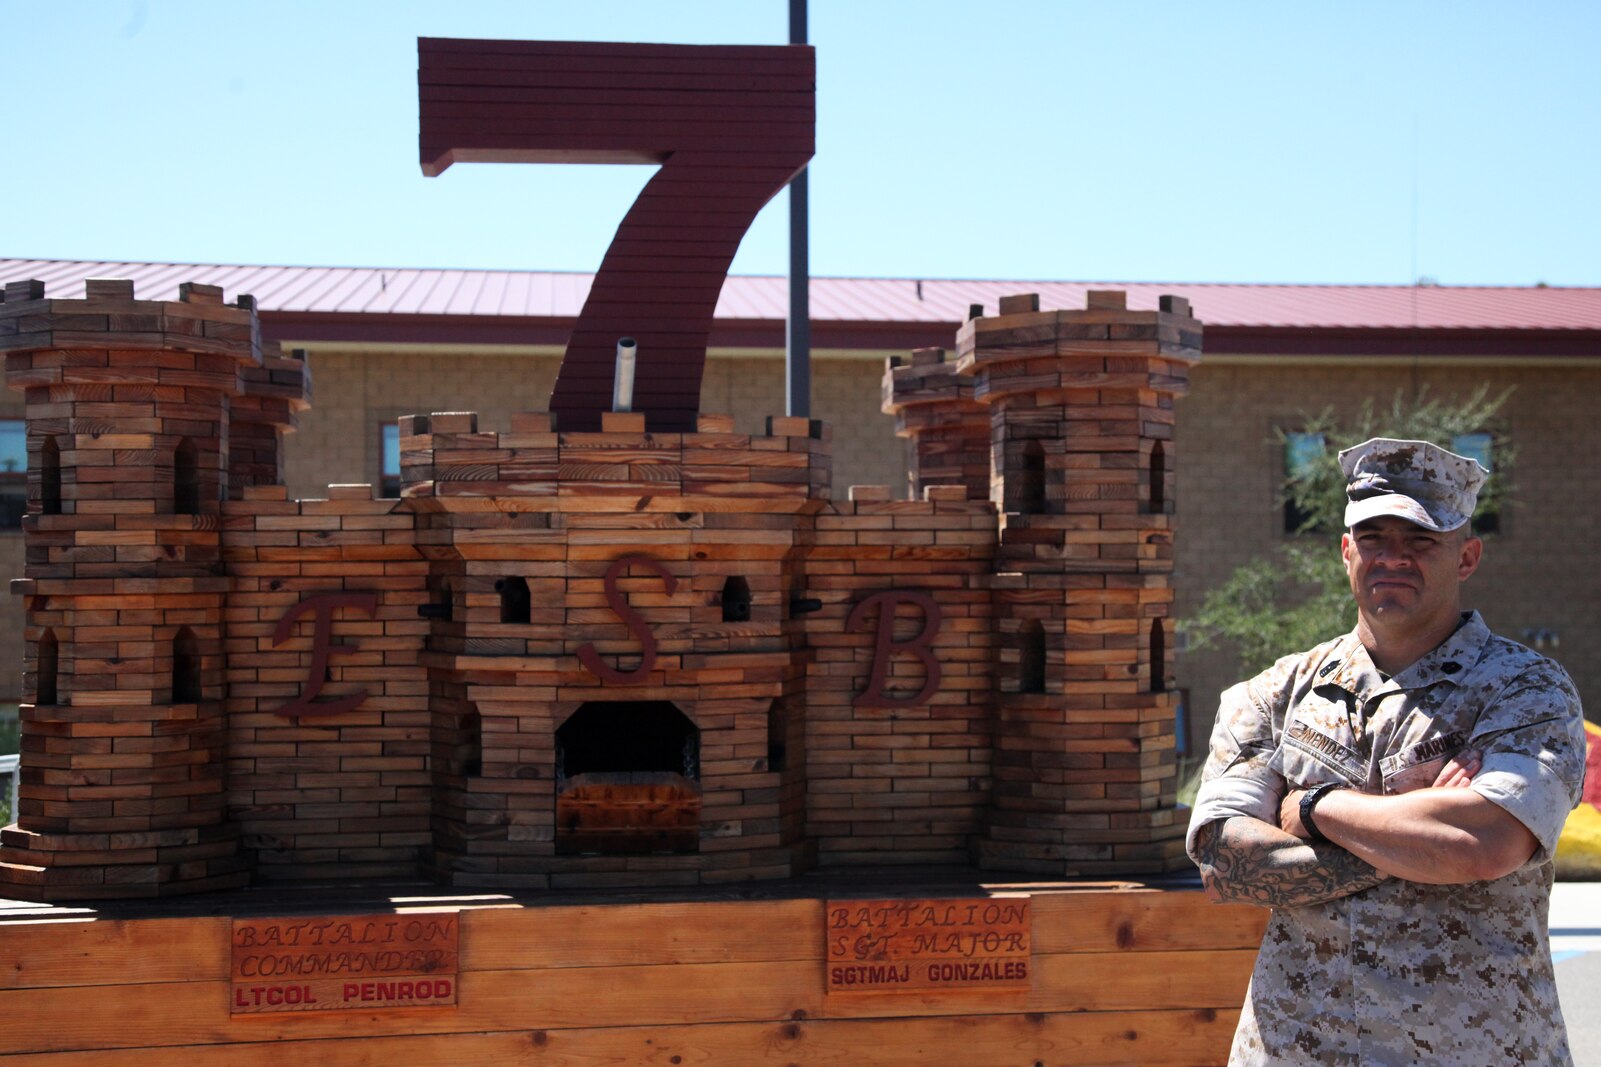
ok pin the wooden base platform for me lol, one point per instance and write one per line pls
(1103, 973)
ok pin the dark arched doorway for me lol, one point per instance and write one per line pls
(627, 779)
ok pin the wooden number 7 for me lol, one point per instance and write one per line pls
(730, 127)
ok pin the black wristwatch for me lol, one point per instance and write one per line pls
(1309, 801)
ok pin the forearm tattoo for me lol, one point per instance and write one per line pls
(1247, 861)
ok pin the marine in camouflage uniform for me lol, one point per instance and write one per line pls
(1410, 916)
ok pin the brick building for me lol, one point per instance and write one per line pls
(388, 343)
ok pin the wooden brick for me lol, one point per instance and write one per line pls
(1106, 299)
(622, 422)
(1020, 303)
(452, 422)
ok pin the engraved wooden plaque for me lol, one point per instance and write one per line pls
(344, 962)
(887, 946)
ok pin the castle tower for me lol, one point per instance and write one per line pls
(276, 391)
(615, 682)
(948, 429)
(128, 406)
(1081, 424)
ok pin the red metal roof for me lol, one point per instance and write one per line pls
(552, 294)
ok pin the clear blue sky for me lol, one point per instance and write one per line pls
(1019, 139)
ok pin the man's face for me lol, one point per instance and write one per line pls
(1402, 574)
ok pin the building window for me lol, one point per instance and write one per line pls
(389, 460)
(13, 473)
(1302, 454)
(1480, 446)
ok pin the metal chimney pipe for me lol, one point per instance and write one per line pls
(622, 390)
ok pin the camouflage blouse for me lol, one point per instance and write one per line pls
(1405, 973)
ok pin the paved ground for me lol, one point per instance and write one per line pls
(1576, 948)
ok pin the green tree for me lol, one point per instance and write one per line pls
(1298, 597)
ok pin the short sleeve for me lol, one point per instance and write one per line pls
(1238, 779)
(1532, 740)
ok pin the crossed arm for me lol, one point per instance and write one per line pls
(1444, 834)
(1245, 860)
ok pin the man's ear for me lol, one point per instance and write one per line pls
(1345, 546)
(1468, 562)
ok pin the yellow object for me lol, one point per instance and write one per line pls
(1579, 849)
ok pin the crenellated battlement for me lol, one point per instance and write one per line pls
(447, 463)
(109, 316)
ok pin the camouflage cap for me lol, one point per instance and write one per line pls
(1414, 480)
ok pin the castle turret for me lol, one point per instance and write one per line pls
(276, 391)
(947, 429)
(1081, 423)
(128, 440)
(615, 679)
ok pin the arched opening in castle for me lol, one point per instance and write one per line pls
(735, 599)
(1158, 656)
(185, 682)
(45, 666)
(516, 603)
(49, 475)
(1031, 657)
(627, 779)
(1031, 495)
(1156, 499)
(185, 478)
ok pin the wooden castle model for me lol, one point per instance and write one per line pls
(595, 647)
(624, 657)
